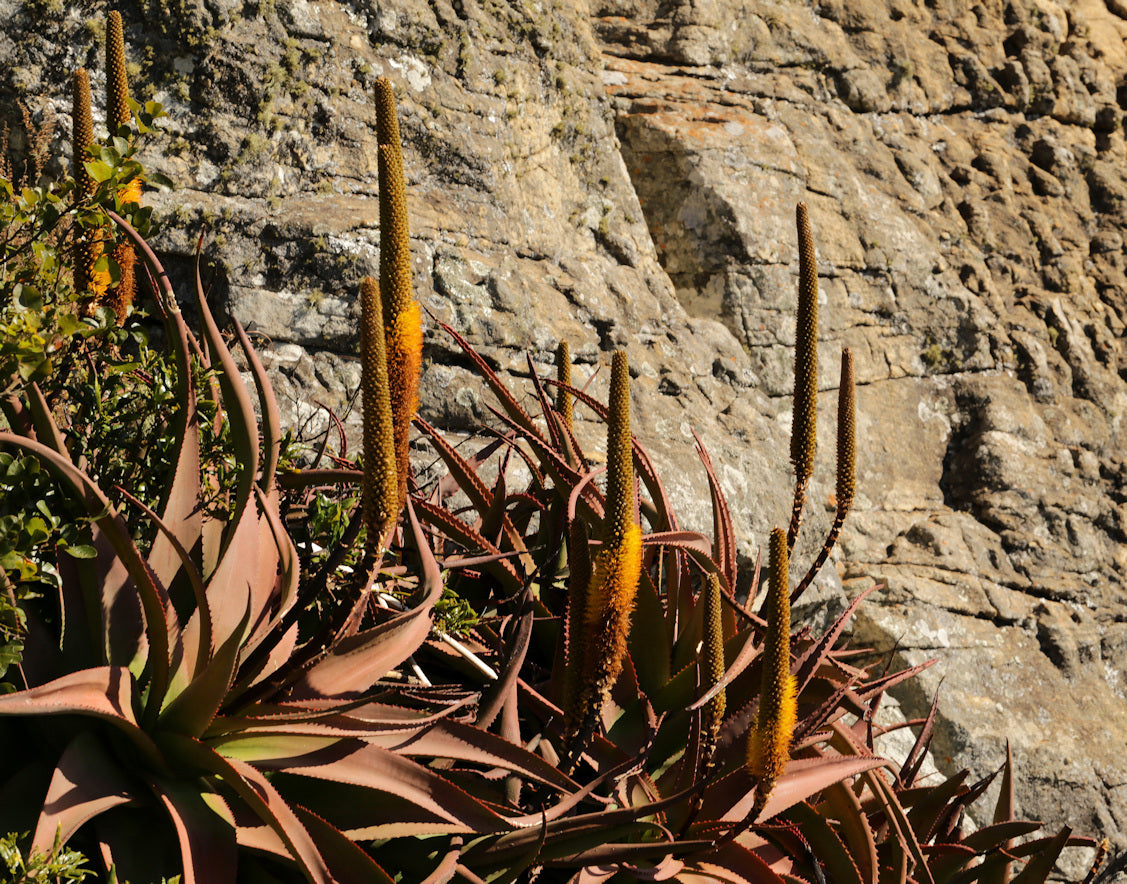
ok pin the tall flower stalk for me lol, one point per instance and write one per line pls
(768, 745)
(118, 114)
(602, 612)
(804, 423)
(402, 318)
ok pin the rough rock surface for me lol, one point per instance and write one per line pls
(623, 174)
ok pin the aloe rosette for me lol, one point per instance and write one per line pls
(172, 683)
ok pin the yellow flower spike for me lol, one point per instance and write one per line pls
(608, 603)
(87, 280)
(563, 375)
(118, 114)
(380, 488)
(117, 87)
(402, 317)
(768, 745)
(804, 423)
(713, 665)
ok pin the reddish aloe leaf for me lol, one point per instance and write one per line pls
(933, 804)
(373, 769)
(648, 637)
(470, 483)
(749, 650)
(87, 781)
(723, 532)
(160, 618)
(816, 655)
(826, 845)
(1041, 865)
(260, 796)
(356, 662)
(207, 841)
(187, 648)
(841, 800)
(106, 692)
(992, 837)
(912, 764)
(192, 711)
(346, 860)
(899, 823)
(458, 530)
(732, 864)
(802, 778)
(268, 405)
(231, 589)
(497, 694)
(236, 403)
(446, 869)
(181, 514)
(518, 414)
(46, 430)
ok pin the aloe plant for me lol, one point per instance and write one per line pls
(175, 683)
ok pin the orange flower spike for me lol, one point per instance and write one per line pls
(768, 748)
(609, 601)
(380, 487)
(402, 318)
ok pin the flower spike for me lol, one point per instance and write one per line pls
(713, 666)
(402, 317)
(804, 423)
(768, 745)
(608, 603)
(120, 298)
(381, 484)
(563, 375)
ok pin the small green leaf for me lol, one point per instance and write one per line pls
(99, 171)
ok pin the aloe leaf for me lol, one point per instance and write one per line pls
(723, 531)
(912, 764)
(809, 662)
(232, 587)
(516, 412)
(107, 693)
(237, 405)
(87, 782)
(827, 847)
(846, 811)
(802, 778)
(1003, 812)
(899, 823)
(648, 643)
(160, 618)
(470, 483)
(990, 838)
(181, 511)
(459, 531)
(260, 795)
(268, 405)
(371, 769)
(46, 430)
(1041, 865)
(497, 694)
(193, 710)
(945, 860)
(732, 864)
(191, 640)
(345, 859)
(356, 662)
(207, 841)
(927, 805)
